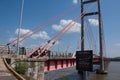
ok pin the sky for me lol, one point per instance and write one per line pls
(38, 12)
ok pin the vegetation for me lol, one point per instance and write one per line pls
(21, 67)
(64, 78)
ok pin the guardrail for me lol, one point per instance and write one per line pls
(18, 76)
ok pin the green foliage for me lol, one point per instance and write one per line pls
(21, 67)
(64, 78)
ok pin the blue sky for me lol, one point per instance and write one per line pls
(37, 12)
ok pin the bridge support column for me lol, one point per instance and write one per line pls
(39, 71)
(36, 72)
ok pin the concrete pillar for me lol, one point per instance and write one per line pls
(40, 74)
(37, 70)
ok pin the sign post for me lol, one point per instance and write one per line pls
(84, 61)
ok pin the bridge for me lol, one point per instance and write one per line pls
(38, 66)
(40, 59)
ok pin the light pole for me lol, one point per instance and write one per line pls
(20, 23)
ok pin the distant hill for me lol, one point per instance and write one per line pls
(115, 59)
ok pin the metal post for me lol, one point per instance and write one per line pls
(100, 37)
(102, 70)
(82, 27)
(83, 73)
(21, 14)
(8, 49)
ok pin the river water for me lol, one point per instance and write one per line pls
(71, 74)
(113, 73)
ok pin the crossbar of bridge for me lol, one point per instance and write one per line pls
(89, 1)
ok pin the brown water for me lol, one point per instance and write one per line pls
(71, 74)
(113, 73)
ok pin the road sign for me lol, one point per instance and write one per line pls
(84, 60)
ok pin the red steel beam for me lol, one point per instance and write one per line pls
(55, 64)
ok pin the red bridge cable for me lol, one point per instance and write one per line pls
(62, 31)
(42, 25)
(68, 27)
(29, 33)
(49, 46)
(84, 11)
(53, 37)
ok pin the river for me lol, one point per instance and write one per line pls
(71, 74)
(113, 73)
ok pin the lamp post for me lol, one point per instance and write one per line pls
(20, 23)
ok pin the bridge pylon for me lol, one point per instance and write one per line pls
(92, 13)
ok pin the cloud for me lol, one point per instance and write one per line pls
(41, 34)
(75, 1)
(23, 31)
(63, 23)
(93, 22)
(117, 44)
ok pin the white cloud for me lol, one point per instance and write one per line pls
(117, 44)
(63, 23)
(75, 1)
(23, 31)
(41, 34)
(93, 22)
